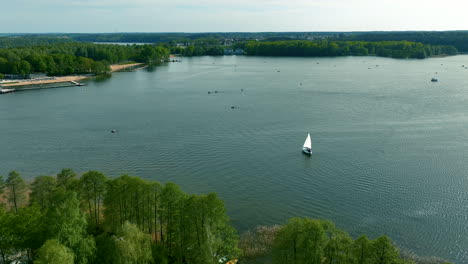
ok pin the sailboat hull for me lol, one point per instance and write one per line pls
(307, 151)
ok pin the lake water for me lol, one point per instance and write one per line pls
(390, 147)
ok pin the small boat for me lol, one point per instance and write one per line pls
(434, 80)
(307, 148)
(114, 131)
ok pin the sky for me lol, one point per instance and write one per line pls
(81, 16)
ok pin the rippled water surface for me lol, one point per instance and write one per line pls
(390, 147)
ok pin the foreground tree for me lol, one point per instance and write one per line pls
(16, 190)
(92, 188)
(41, 190)
(52, 252)
(66, 223)
(6, 234)
(67, 179)
(132, 246)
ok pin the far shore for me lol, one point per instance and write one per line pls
(61, 79)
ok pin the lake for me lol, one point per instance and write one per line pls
(390, 146)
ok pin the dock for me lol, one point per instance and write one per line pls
(77, 83)
(4, 91)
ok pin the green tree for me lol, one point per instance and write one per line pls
(384, 252)
(6, 234)
(132, 246)
(66, 223)
(362, 250)
(92, 189)
(52, 252)
(301, 240)
(28, 228)
(16, 190)
(41, 190)
(67, 179)
(2, 185)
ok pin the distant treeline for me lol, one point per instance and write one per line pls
(198, 50)
(324, 48)
(458, 39)
(75, 58)
(91, 219)
(31, 40)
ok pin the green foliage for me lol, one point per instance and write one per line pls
(52, 252)
(7, 236)
(41, 190)
(325, 48)
(2, 185)
(31, 40)
(146, 222)
(67, 179)
(132, 246)
(457, 40)
(92, 189)
(304, 241)
(16, 190)
(67, 224)
(76, 58)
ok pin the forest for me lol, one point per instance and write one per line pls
(91, 218)
(324, 48)
(75, 58)
(457, 39)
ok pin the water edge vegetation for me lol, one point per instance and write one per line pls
(96, 219)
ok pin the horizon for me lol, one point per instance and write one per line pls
(225, 32)
(84, 16)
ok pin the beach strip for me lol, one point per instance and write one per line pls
(61, 79)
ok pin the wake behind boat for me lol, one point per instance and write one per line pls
(307, 148)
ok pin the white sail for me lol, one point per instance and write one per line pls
(308, 142)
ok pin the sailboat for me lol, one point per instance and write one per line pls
(307, 148)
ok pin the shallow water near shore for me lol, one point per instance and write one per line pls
(390, 149)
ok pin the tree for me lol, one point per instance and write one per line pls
(384, 252)
(41, 190)
(52, 252)
(66, 223)
(301, 240)
(66, 179)
(92, 189)
(6, 234)
(16, 190)
(2, 185)
(362, 250)
(132, 245)
(28, 230)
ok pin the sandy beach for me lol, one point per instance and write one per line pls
(114, 67)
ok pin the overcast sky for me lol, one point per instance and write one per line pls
(228, 16)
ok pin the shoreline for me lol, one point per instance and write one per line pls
(69, 78)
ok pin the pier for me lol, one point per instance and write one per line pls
(4, 91)
(77, 83)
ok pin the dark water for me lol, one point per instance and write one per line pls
(390, 147)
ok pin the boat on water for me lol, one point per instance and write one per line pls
(434, 80)
(307, 148)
